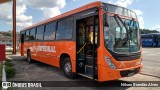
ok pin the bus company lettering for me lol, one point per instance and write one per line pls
(45, 48)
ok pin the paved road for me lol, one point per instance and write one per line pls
(41, 72)
(151, 61)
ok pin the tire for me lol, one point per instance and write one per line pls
(29, 57)
(67, 68)
(154, 45)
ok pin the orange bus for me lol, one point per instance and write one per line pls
(100, 41)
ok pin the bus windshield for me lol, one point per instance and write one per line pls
(122, 35)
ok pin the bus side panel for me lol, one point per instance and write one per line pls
(147, 42)
(51, 56)
(57, 48)
(36, 52)
(63, 47)
(50, 52)
(25, 48)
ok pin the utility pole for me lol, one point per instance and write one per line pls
(14, 26)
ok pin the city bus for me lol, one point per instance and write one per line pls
(152, 39)
(99, 41)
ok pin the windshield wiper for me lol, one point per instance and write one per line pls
(127, 31)
(122, 23)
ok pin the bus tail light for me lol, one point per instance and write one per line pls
(110, 63)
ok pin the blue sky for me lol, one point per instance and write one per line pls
(32, 11)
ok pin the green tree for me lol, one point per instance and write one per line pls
(146, 31)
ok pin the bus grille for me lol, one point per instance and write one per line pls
(129, 72)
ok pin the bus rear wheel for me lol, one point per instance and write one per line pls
(29, 57)
(67, 68)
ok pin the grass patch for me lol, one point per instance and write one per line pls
(10, 71)
(0, 71)
(8, 63)
(8, 60)
(1, 74)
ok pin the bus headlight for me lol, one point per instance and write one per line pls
(139, 62)
(109, 62)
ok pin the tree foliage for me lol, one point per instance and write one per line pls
(146, 31)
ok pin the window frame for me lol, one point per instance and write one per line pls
(55, 27)
(44, 26)
(25, 35)
(34, 33)
(60, 20)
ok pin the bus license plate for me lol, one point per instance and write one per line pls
(131, 74)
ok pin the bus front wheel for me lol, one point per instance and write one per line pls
(67, 68)
(29, 57)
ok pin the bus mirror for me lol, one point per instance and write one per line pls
(105, 23)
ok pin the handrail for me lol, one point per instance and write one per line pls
(81, 48)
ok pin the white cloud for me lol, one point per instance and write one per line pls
(47, 3)
(123, 3)
(140, 18)
(138, 12)
(51, 12)
(156, 27)
(22, 20)
(76, 0)
(6, 11)
(50, 8)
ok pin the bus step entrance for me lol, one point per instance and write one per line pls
(89, 70)
(89, 66)
(86, 66)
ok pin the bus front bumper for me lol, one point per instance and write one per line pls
(106, 73)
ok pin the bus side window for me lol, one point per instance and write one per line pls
(40, 31)
(65, 28)
(27, 35)
(50, 31)
(32, 34)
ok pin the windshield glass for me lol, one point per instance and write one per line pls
(122, 35)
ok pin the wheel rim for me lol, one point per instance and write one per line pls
(29, 59)
(67, 67)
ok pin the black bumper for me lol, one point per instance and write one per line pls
(127, 73)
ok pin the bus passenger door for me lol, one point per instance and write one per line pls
(22, 44)
(87, 33)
